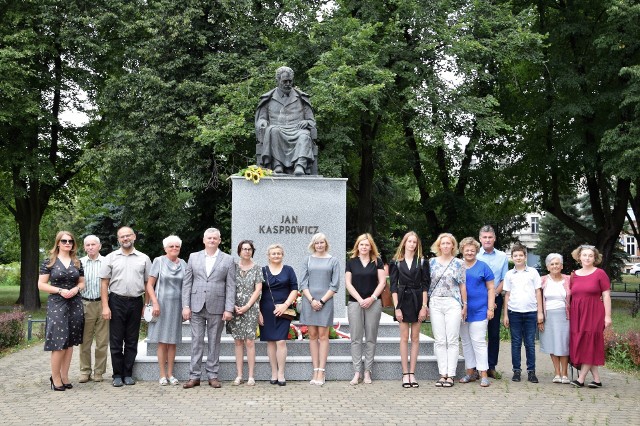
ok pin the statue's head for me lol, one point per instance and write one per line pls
(284, 78)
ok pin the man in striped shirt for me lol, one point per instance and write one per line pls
(94, 325)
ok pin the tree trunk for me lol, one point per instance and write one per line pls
(368, 132)
(29, 215)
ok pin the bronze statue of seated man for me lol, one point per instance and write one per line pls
(285, 127)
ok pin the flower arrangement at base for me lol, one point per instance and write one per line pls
(254, 173)
(301, 332)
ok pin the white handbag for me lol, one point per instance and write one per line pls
(148, 308)
(148, 313)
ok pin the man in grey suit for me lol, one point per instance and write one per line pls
(208, 298)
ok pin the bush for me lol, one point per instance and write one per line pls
(622, 350)
(10, 274)
(11, 328)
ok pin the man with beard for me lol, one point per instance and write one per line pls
(124, 276)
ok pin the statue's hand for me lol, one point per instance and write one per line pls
(303, 124)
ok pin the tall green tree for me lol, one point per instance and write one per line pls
(53, 58)
(571, 109)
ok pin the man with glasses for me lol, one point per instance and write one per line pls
(124, 276)
(208, 300)
(497, 261)
(94, 325)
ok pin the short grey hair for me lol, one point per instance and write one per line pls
(552, 256)
(93, 238)
(487, 228)
(211, 231)
(171, 239)
(282, 70)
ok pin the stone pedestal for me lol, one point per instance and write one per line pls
(289, 210)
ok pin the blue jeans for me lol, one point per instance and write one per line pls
(523, 327)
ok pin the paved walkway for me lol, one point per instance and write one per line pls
(25, 398)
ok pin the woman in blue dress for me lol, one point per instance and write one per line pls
(62, 277)
(278, 293)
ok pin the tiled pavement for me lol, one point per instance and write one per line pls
(25, 398)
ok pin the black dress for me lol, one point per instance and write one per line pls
(65, 317)
(409, 284)
(276, 328)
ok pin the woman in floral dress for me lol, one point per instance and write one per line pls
(62, 277)
(245, 319)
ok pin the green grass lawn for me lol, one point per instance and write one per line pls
(9, 295)
(630, 283)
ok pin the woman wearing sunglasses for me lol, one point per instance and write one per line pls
(62, 277)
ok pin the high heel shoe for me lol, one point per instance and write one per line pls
(67, 385)
(56, 388)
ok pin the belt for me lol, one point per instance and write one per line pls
(125, 297)
(91, 300)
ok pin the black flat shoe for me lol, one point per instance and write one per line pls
(56, 388)
(283, 383)
(273, 382)
(577, 384)
(594, 385)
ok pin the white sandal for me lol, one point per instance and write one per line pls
(251, 381)
(174, 381)
(321, 382)
(314, 381)
(163, 381)
(237, 381)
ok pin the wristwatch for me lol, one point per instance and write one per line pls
(322, 301)
(374, 297)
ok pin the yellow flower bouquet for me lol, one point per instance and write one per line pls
(255, 173)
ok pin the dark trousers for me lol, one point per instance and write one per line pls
(493, 331)
(523, 327)
(123, 333)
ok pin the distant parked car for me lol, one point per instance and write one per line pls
(635, 270)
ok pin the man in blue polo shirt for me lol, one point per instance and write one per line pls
(497, 261)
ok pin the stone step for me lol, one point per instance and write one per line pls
(297, 368)
(339, 364)
(339, 347)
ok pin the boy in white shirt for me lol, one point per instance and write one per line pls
(522, 311)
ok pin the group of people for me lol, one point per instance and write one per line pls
(101, 298)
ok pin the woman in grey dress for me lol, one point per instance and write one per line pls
(164, 288)
(247, 307)
(554, 332)
(320, 281)
(62, 277)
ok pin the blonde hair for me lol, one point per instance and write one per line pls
(275, 246)
(318, 237)
(400, 251)
(55, 251)
(373, 254)
(470, 241)
(596, 254)
(435, 247)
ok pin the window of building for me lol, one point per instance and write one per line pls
(630, 245)
(535, 224)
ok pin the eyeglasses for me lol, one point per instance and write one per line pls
(122, 237)
(247, 249)
(174, 246)
(65, 241)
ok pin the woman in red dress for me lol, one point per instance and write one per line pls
(590, 314)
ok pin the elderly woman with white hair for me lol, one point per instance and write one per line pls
(164, 288)
(554, 332)
(320, 281)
